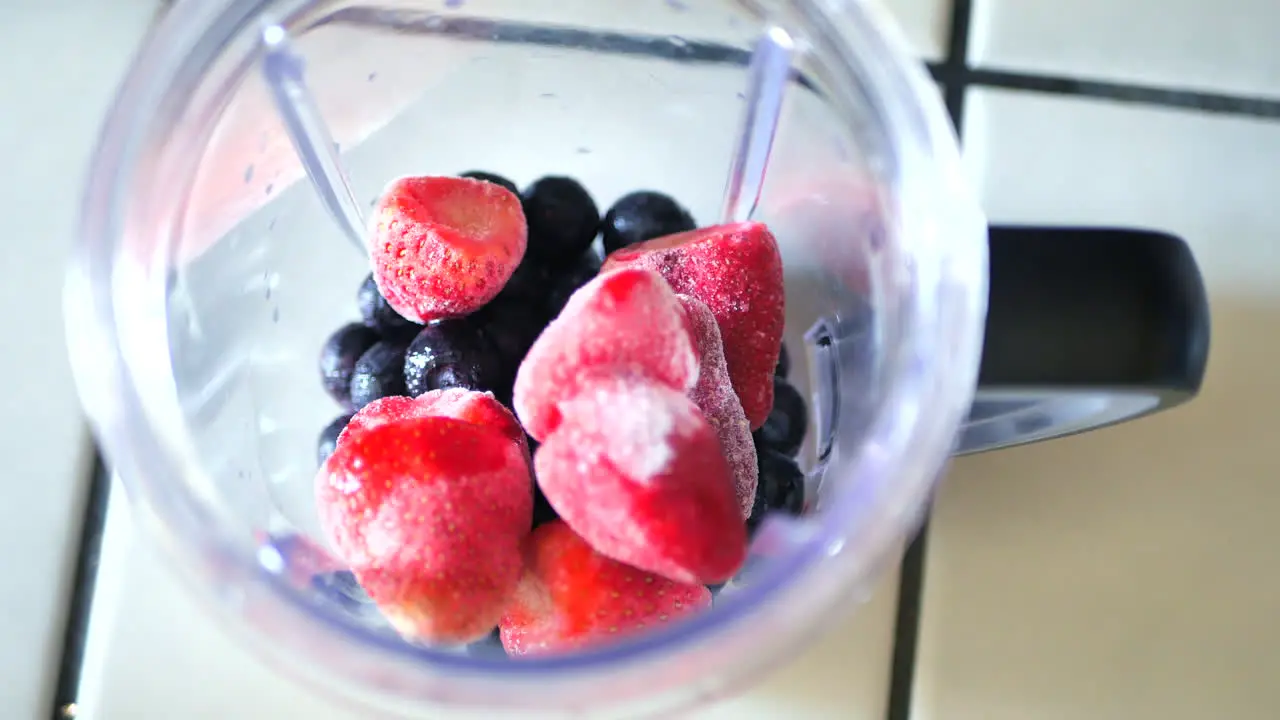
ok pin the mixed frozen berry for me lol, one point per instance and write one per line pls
(379, 372)
(563, 219)
(781, 487)
(643, 216)
(552, 447)
(785, 428)
(453, 353)
(338, 358)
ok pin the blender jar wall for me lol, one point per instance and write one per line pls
(208, 276)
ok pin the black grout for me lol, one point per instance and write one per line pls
(1142, 94)
(77, 624)
(906, 631)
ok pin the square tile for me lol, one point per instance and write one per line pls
(925, 24)
(1125, 573)
(1224, 47)
(51, 114)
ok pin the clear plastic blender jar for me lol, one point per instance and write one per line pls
(211, 270)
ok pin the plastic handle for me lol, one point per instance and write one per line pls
(1086, 327)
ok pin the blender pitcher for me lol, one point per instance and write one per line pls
(221, 243)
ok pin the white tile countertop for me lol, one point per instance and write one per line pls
(1119, 574)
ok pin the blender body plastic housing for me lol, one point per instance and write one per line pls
(209, 274)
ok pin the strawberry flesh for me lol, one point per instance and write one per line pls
(429, 513)
(627, 321)
(736, 270)
(572, 597)
(443, 247)
(715, 397)
(637, 471)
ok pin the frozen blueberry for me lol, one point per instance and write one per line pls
(341, 588)
(543, 513)
(492, 178)
(490, 646)
(511, 328)
(568, 280)
(338, 358)
(528, 283)
(328, 441)
(642, 216)
(562, 217)
(788, 421)
(780, 489)
(379, 373)
(377, 313)
(452, 353)
(716, 588)
(784, 363)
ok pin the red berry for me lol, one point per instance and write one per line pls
(736, 270)
(572, 596)
(443, 247)
(480, 408)
(621, 322)
(715, 397)
(429, 513)
(635, 469)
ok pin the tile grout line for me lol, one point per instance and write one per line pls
(88, 550)
(1220, 103)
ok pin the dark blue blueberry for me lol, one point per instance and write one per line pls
(543, 513)
(453, 353)
(511, 328)
(338, 357)
(568, 280)
(716, 588)
(642, 216)
(492, 178)
(528, 283)
(328, 441)
(562, 217)
(784, 363)
(341, 588)
(780, 489)
(490, 646)
(377, 313)
(379, 373)
(788, 421)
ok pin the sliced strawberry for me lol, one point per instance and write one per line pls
(736, 270)
(636, 470)
(572, 596)
(715, 397)
(443, 247)
(627, 321)
(429, 513)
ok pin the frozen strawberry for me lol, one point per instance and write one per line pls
(479, 408)
(572, 596)
(636, 470)
(737, 271)
(474, 407)
(715, 397)
(621, 322)
(443, 247)
(429, 513)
